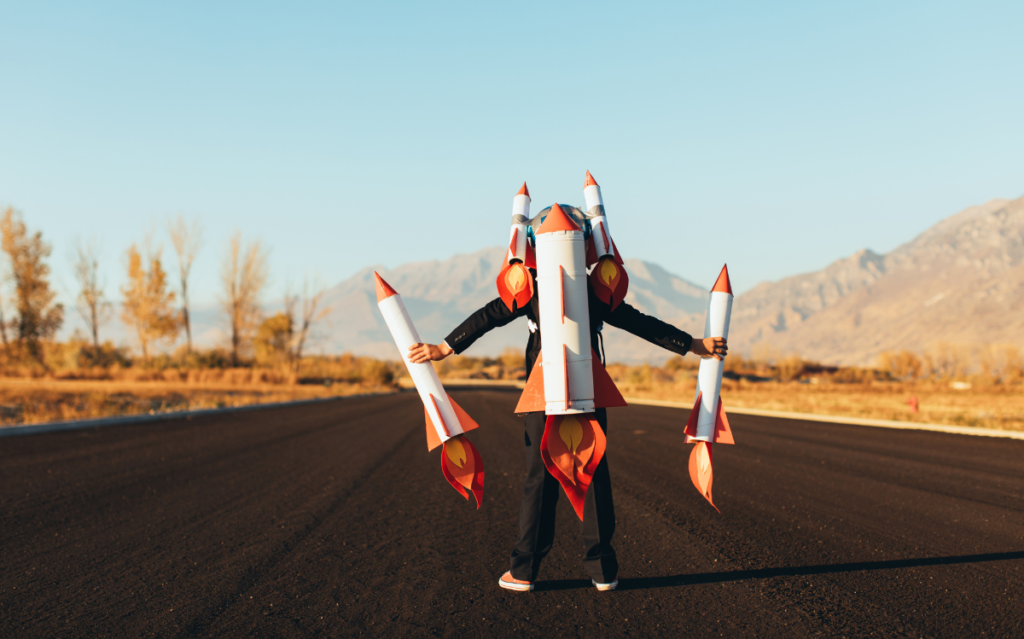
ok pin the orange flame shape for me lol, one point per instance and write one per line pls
(701, 471)
(515, 285)
(609, 281)
(463, 468)
(572, 448)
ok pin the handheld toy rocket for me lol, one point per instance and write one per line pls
(708, 424)
(447, 423)
(568, 382)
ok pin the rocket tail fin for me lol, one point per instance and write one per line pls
(606, 394)
(723, 432)
(532, 400)
(691, 424)
(467, 423)
(591, 252)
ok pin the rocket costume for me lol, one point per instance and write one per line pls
(563, 273)
(546, 282)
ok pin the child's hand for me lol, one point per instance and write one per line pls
(420, 353)
(710, 347)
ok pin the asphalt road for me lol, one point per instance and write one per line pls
(332, 520)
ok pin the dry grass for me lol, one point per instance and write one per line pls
(999, 407)
(30, 401)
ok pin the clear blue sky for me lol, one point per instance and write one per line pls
(775, 136)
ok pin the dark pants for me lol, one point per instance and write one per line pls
(537, 513)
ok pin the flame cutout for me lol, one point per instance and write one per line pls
(609, 281)
(572, 448)
(701, 470)
(515, 285)
(463, 468)
(516, 278)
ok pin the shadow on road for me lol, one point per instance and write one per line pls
(644, 583)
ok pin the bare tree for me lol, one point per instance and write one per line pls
(39, 317)
(186, 238)
(244, 276)
(90, 304)
(148, 305)
(312, 298)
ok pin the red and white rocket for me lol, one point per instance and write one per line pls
(446, 421)
(568, 382)
(708, 423)
(608, 278)
(515, 286)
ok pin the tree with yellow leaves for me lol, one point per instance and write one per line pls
(148, 305)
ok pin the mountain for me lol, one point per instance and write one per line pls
(440, 294)
(961, 281)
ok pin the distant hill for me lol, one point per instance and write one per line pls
(440, 294)
(960, 281)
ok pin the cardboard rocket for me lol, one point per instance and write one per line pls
(568, 382)
(515, 285)
(447, 423)
(708, 423)
(609, 279)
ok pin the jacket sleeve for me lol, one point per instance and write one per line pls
(649, 328)
(493, 315)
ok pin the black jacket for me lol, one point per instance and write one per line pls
(496, 314)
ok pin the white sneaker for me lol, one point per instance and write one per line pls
(508, 582)
(604, 587)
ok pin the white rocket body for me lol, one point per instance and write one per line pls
(520, 220)
(428, 384)
(709, 375)
(598, 220)
(565, 322)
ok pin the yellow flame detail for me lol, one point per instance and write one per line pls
(456, 451)
(571, 433)
(515, 278)
(703, 458)
(608, 271)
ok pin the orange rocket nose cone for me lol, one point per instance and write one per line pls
(590, 181)
(524, 191)
(557, 220)
(384, 289)
(722, 284)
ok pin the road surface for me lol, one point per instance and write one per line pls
(332, 520)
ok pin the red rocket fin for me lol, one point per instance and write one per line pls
(723, 433)
(606, 394)
(591, 252)
(465, 420)
(532, 399)
(433, 441)
(691, 424)
(615, 250)
(531, 257)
